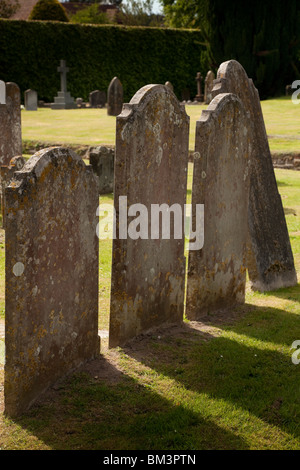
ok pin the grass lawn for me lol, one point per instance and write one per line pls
(94, 127)
(225, 383)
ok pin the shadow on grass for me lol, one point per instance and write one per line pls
(247, 372)
(102, 408)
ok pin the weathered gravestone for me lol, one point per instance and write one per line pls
(270, 259)
(10, 122)
(209, 79)
(148, 268)
(31, 100)
(6, 175)
(169, 84)
(114, 97)
(217, 272)
(199, 97)
(97, 99)
(51, 295)
(63, 100)
(102, 161)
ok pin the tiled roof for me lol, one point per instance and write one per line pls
(25, 9)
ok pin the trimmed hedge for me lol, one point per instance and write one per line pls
(30, 53)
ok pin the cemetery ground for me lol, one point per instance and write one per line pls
(226, 382)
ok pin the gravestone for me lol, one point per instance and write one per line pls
(102, 161)
(6, 175)
(114, 97)
(148, 269)
(31, 100)
(209, 79)
(63, 100)
(169, 84)
(217, 271)
(51, 296)
(270, 259)
(199, 97)
(10, 122)
(97, 99)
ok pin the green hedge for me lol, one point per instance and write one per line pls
(30, 52)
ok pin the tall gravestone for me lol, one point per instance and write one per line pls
(63, 100)
(148, 270)
(114, 97)
(31, 100)
(209, 79)
(51, 294)
(217, 272)
(10, 122)
(270, 259)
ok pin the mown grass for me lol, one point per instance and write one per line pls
(230, 384)
(95, 127)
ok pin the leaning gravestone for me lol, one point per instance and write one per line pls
(102, 161)
(6, 175)
(114, 97)
(209, 79)
(10, 122)
(148, 267)
(63, 100)
(270, 259)
(97, 99)
(51, 296)
(217, 271)
(31, 100)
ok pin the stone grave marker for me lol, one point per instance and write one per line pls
(209, 79)
(51, 296)
(114, 97)
(63, 100)
(169, 84)
(199, 97)
(102, 161)
(270, 259)
(148, 268)
(217, 271)
(97, 99)
(6, 175)
(10, 123)
(31, 100)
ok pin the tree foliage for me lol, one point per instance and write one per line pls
(8, 8)
(50, 10)
(90, 15)
(139, 13)
(264, 36)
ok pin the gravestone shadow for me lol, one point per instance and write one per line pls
(100, 407)
(225, 369)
